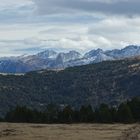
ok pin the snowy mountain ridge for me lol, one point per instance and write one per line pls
(50, 59)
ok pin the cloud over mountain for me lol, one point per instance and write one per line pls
(67, 24)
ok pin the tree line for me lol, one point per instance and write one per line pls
(127, 112)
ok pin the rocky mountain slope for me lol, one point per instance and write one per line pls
(50, 59)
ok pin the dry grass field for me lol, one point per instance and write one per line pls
(69, 132)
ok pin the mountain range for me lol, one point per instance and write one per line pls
(50, 59)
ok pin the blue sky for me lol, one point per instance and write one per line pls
(30, 26)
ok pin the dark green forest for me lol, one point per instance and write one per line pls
(110, 82)
(128, 112)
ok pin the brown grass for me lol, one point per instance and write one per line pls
(68, 132)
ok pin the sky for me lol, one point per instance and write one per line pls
(31, 26)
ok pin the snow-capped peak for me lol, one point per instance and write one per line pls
(93, 53)
(47, 54)
(72, 55)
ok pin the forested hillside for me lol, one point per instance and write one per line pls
(110, 82)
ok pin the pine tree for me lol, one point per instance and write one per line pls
(67, 115)
(134, 105)
(124, 114)
(105, 114)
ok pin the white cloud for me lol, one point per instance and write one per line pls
(30, 26)
(7, 3)
(117, 7)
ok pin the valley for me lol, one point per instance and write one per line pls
(69, 70)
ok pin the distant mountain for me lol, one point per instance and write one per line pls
(110, 82)
(48, 54)
(98, 56)
(129, 51)
(13, 66)
(49, 59)
(93, 53)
